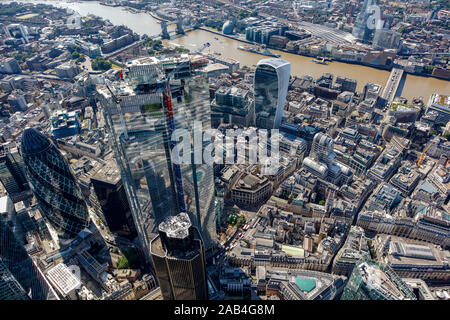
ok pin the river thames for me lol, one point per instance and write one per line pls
(143, 23)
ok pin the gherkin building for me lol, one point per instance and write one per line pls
(53, 184)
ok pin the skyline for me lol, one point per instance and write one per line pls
(139, 168)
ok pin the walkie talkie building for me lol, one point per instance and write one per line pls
(271, 83)
(141, 122)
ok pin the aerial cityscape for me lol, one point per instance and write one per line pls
(225, 150)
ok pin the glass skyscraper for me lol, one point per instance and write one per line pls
(360, 29)
(19, 277)
(140, 123)
(10, 288)
(53, 184)
(271, 83)
(12, 174)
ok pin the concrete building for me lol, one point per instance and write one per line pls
(251, 189)
(413, 259)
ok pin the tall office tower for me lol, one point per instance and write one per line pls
(19, 277)
(12, 174)
(141, 115)
(179, 259)
(371, 281)
(322, 148)
(10, 288)
(111, 201)
(270, 88)
(53, 184)
(360, 28)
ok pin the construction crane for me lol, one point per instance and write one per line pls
(425, 150)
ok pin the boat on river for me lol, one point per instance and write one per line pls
(258, 50)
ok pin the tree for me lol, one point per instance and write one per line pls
(240, 221)
(75, 55)
(447, 136)
(100, 63)
(123, 263)
(82, 58)
(322, 202)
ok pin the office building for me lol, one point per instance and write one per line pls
(412, 258)
(10, 288)
(179, 259)
(12, 174)
(354, 249)
(19, 275)
(65, 124)
(360, 29)
(440, 104)
(371, 281)
(17, 31)
(232, 105)
(322, 148)
(270, 88)
(112, 200)
(386, 39)
(9, 66)
(53, 184)
(17, 101)
(141, 124)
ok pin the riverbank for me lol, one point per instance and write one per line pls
(233, 37)
(143, 23)
(333, 59)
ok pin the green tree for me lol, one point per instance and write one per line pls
(100, 63)
(240, 221)
(447, 136)
(75, 55)
(123, 263)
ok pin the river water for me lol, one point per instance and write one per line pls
(143, 23)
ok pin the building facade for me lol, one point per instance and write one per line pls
(178, 256)
(271, 83)
(19, 275)
(53, 184)
(12, 174)
(141, 124)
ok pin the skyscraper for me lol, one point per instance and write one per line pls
(360, 28)
(12, 175)
(10, 288)
(270, 88)
(111, 201)
(179, 259)
(19, 277)
(141, 117)
(371, 281)
(53, 184)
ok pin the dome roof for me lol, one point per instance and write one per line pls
(34, 142)
(228, 27)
